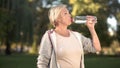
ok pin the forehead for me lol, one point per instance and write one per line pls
(64, 10)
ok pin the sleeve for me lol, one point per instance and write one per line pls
(87, 44)
(44, 52)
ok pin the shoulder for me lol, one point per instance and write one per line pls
(48, 32)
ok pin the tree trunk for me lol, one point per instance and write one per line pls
(8, 48)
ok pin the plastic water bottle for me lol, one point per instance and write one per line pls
(81, 19)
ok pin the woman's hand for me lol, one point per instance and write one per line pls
(91, 21)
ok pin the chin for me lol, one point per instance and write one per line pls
(70, 23)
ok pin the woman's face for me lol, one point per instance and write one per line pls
(65, 17)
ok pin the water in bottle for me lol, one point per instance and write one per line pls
(81, 19)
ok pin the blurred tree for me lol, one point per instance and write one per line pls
(24, 18)
(114, 8)
(7, 23)
(25, 21)
(98, 8)
(16, 23)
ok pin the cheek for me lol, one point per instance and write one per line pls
(70, 19)
(66, 20)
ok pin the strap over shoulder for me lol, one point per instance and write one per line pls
(50, 31)
(50, 62)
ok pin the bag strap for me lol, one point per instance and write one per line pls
(49, 32)
(52, 46)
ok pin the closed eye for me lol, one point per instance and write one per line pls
(65, 13)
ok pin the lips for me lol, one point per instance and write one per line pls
(72, 19)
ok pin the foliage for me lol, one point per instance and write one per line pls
(98, 8)
(7, 24)
(25, 21)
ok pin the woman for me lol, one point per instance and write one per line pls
(63, 48)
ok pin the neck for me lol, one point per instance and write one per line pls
(62, 30)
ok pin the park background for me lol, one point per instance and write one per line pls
(23, 22)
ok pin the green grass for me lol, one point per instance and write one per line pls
(102, 61)
(18, 61)
(29, 61)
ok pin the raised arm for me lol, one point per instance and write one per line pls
(90, 24)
